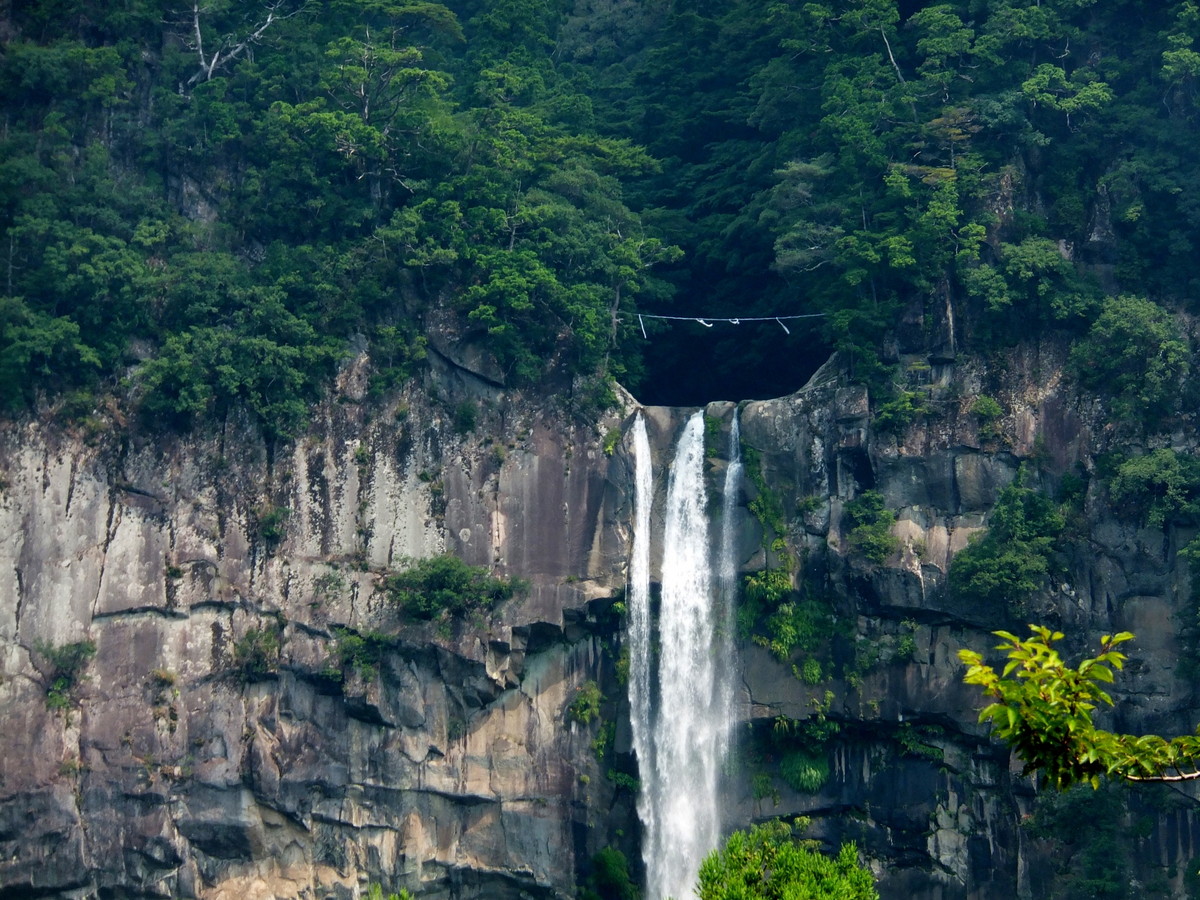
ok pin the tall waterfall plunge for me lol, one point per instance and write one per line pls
(681, 698)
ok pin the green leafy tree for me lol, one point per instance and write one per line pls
(1045, 710)
(767, 862)
(1135, 354)
(1159, 488)
(610, 878)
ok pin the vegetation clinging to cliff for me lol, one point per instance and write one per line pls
(445, 587)
(1014, 559)
(220, 204)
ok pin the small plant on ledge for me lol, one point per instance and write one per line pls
(64, 669)
(586, 705)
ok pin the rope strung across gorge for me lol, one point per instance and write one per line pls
(707, 321)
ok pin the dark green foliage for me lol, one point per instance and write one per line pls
(226, 229)
(1189, 616)
(898, 412)
(712, 436)
(256, 653)
(1014, 559)
(445, 586)
(769, 863)
(911, 740)
(603, 741)
(1135, 354)
(762, 593)
(586, 704)
(1157, 488)
(623, 781)
(466, 414)
(359, 653)
(517, 175)
(1093, 863)
(867, 524)
(765, 505)
(62, 668)
(775, 616)
(805, 772)
(802, 623)
(987, 411)
(272, 524)
(609, 878)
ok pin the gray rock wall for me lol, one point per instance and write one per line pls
(943, 812)
(454, 770)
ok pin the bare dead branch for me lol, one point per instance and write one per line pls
(1182, 776)
(230, 47)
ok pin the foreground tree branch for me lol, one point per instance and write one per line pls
(1044, 710)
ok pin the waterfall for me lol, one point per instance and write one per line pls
(639, 623)
(680, 698)
(727, 581)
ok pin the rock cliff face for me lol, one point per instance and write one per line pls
(218, 745)
(177, 771)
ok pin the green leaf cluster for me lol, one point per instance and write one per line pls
(1096, 861)
(361, 654)
(222, 226)
(767, 862)
(1135, 354)
(256, 653)
(1044, 710)
(609, 878)
(585, 706)
(805, 772)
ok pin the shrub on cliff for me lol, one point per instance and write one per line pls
(1157, 488)
(256, 653)
(445, 585)
(610, 878)
(586, 705)
(1015, 558)
(1135, 353)
(63, 667)
(868, 526)
(768, 863)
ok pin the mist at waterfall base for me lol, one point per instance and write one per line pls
(681, 698)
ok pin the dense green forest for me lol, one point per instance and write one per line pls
(206, 207)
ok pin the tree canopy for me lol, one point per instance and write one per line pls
(211, 205)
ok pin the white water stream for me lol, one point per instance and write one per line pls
(681, 686)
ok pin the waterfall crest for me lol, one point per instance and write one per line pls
(681, 698)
